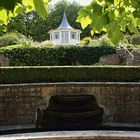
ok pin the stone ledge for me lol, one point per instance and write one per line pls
(76, 135)
(71, 83)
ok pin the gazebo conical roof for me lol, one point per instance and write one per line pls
(64, 23)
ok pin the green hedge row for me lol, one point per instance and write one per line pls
(59, 55)
(69, 74)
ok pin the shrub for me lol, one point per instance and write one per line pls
(58, 55)
(47, 43)
(14, 38)
(25, 41)
(8, 39)
(102, 41)
(69, 74)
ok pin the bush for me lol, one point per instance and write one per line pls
(9, 39)
(69, 74)
(14, 38)
(102, 41)
(47, 43)
(58, 55)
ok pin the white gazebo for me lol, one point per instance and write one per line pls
(65, 34)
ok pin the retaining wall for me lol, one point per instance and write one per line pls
(121, 101)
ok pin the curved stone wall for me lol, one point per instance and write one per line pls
(121, 101)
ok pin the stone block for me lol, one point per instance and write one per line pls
(4, 61)
(110, 59)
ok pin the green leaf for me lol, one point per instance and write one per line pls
(123, 24)
(83, 13)
(132, 28)
(28, 4)
(97, 9)
(116, 12)
(83, 18)
(111, 28)
(99, 22)
(84, 21)
(117, 36)
(40, 8)
(3, 15)
(111, 16)
(137, 22)
(19, 9)
(116, 2)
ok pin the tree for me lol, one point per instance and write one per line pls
(112, 16)
(32, 25)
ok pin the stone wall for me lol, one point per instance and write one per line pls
(4, 61)
(121, 101)
(110, 59)
(121, 58)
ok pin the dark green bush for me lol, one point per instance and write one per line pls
(59, 55)
(69, 74)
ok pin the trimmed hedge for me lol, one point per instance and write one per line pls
(59, 55)
(69, 74)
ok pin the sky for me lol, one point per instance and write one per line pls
(81, 2)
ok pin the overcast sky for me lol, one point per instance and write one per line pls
(82, 2)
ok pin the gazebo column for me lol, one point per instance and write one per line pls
(51, 36)
(69, 36)
(78, 36)
(60, 37)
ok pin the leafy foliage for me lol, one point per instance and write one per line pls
(111, 16)
(69, 74)
(60, 55)
(10, 8)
